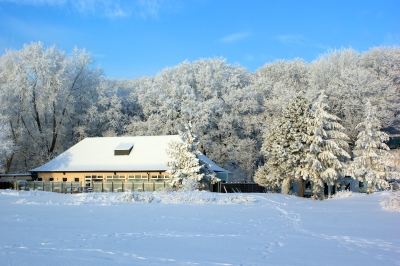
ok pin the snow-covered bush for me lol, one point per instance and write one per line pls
(391, 201)
(198, 197)
(343, 194)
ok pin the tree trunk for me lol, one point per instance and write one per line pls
(8, 164)
(301, 187)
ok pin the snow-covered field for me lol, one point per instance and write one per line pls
(43, 228)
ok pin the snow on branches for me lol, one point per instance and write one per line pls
(327, 146)
(372, 163)
(6, 143)
(284, 146)
(305, 144)
(188, 172)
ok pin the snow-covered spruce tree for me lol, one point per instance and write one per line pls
(283, 147)
(271, 174)
(326, 153)
(372, 163)
(188, 172)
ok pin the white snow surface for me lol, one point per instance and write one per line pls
(149, 153)
(195, 228)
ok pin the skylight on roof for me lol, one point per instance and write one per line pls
(123, 149)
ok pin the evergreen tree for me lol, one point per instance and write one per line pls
(325, 156)
(283, 147)
(372, 163)
(187, 170)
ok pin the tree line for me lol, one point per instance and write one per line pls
(51, 99)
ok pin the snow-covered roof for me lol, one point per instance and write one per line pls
(97, 154)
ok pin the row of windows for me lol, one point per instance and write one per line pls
(76, 179)
(135, 177)
(116, 177)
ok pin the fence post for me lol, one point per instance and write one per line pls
(112, 185)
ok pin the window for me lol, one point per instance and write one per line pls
(159, 177)
(51, 179)
(123, 149)
(361, 184)
(308, 186)
(99, 177)
(131, 176)
(115, 177)
(64, 179)
(39, 179)
(144, 176)
(76, 179)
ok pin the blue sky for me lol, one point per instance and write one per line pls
(130, 39)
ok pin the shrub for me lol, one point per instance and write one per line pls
(391, 201)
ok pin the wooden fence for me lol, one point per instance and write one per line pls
(241, 187)
(5, 185)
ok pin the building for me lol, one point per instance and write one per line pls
(124, 161)
(342, 184)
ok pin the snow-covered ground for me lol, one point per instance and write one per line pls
(43, 228)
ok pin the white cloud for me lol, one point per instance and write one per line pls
(249, 57)
(392, 39)
(38, 2)
(149, 8)
(292, 39)
(300, 40)
(235, 37)
(106, 8)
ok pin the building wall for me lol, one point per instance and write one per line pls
(82, 176)
(342, 184)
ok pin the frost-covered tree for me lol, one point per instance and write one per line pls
(6, 144)
(283, 147)
(45, 95)
(187, 171)
(372, 163)
(349, 79)
(279, 82)
(217, 97)
(326, 153)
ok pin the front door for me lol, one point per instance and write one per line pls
(88, 181)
